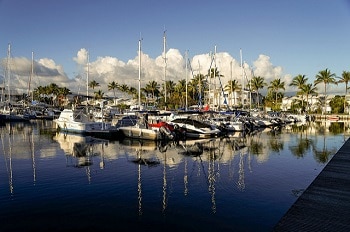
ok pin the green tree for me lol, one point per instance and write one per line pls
(98, 94)
(133, 92)
(257, 83)
(345, 78)
(123, 88)
(307, 90)
(62, 93)
(337, 104)
(93, 84)
(275, 86)
(325, 77)
(113, 86)
(199, 81)
(180, 90)
(299, 81)
(213, 73)
(231, 87)
(153, 87)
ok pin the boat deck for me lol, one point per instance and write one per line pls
(325, 204)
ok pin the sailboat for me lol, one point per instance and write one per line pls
(142, 129)
(12, 112)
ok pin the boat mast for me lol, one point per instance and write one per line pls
(231, 84)
(140, 74)
(186, 79)
(200, 85)
(31, 76)
(8, 71)
(165, 64)
(87, 80)
(215, 100)
(242, 92)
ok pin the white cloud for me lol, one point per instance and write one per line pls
(107, 69)
(82, 57)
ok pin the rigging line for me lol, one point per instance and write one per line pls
(199, 91)
(246, 77)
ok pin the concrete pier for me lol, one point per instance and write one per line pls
(325, 204)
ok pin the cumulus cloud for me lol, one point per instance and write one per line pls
(104, 70)
(82, 57)
(19, 75)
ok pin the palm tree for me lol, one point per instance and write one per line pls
(299, 81)
(133, 92)
(170, 87)
(325, 77)
(345, 78)
(53, 89)
(123, 88)
(153, 87)
(214, 73)
(256, 83)
(63, 92)
(200, 83)
(180, 89)
(231, 87)
(93, 84)
(307, 90)
(276, 85)
(112, 86)
(99, 94)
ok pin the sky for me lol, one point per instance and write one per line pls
(272, 38)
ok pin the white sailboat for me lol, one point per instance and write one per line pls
(12, 112)
(142, 130)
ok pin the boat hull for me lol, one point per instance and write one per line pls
(140, 133)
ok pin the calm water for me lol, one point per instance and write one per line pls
(55, 182)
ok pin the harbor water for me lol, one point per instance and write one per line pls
(52, 181)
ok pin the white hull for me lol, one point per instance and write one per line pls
(71, 121)
(196, 129)
(140, 133)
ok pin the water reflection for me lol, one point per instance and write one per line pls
(80, 150)
(219, 177)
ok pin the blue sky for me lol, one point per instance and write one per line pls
(278, 38)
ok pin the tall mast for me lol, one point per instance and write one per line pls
(87, 78)
(215, 100)
(186, 79)
(200, 85)
(231, 83)
(140, 74)
(31, 75)
(165, 64)
(8, 71)
(242, 92)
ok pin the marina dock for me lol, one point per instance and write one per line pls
(325, 204)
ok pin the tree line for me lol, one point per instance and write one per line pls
(180, 95)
